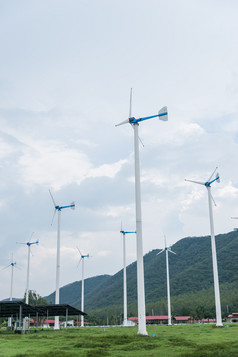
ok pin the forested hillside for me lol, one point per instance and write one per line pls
(191, 279)
(70, 293)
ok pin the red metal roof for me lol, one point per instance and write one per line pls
(182, 318)
(47, 321)
(148, 318)
(161, 317)
(234, 314)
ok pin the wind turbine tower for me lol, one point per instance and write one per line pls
(12, 265)
(167, 250)
(163, 115)
(58, 208)
(125, 321)
(28, 244)
(207, 184)
(82, 293)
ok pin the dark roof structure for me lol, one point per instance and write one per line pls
(59, 310)
(8, 308)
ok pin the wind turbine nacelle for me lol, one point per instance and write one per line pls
(132, 120)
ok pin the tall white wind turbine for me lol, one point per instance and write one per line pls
(12, 265)
(207, 184)
(82, 257)
(125, 321)
(28, 244)
(167, 250)
(58, 208)
(163, 115)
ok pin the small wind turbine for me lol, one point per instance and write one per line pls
(29, 243)
(125, 321)
(12, 265)
(167, 249)
(82, 257)
(163, 115)
(58, 208)
(207, 184)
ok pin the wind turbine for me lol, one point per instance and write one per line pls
(207, 184)
(125, 321)
(163, 115)
(58, 208)
(12, 265)
(167, 250)
(29, 243)
(82, 294)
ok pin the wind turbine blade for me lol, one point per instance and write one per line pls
(160, 252)
(234, 217)
(20, 243)
(213, 200)
(79, 262)
(79, 251)
(165, 244)
(6, 267)
(141, 141)
(52, 198)
(218, 178)
(165, 116)
(199, 182)
(212, 175)
(31, 237)
(169, 250)
(130, 109)
(123, 122)
(53, 217)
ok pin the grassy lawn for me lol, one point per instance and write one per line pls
(187, 340)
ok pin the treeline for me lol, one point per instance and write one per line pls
(198, 305)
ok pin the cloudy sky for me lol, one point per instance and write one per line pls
(66, 69)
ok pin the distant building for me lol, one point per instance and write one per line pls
(183, 319)
(233, 317)
(206, 321)
(162, 319)
(47, 323)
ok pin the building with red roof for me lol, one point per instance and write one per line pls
(162, 319)
(233, 317)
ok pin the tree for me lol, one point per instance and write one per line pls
(200, 312)
(35, 299)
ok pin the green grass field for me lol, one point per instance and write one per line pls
(183, 340)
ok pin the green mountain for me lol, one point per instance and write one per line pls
(70, 293)
(190, 276)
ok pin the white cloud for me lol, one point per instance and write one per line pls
(118, 211)
(53, 164)
(228, 191)
(107, 170)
